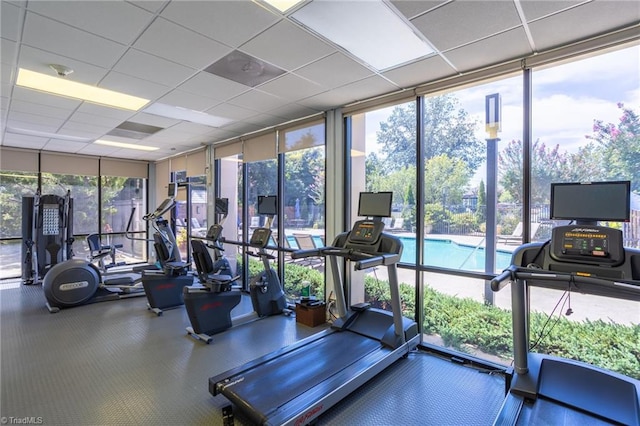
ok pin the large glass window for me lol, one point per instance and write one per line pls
(383, 151)
(84, 192)
(304, 183)
(124, 200)
(586, 127)
(13, 186)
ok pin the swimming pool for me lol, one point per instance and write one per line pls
(444, 253)
(449, 254)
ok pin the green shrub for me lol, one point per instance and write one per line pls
(466, 324)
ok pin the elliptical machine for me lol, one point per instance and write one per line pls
(209, 307)
(78, 282)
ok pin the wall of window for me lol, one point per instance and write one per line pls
(101, 200)
(581, 125)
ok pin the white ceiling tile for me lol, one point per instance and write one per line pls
(104, 111)
(53, 122)
(24, 141)
(323, 71)
(416, 73)
(293, 111)
(292, 87)
(207, 84)
(258, 101)
(411, 8)
(537, 9)
(570, 25)
(145, 66)
(287, 46)
(84, 130)
(231, 111)
(10, 21)
(153, 120)
(229, 22)
(32, 125)
(174, 42)
(133, 86)
(64, 40)
(368, 88)
(98, 120)
(328, 100)
(115, 20)
(509, 45)
(35, 96)
(150, 5)
(101, 150)
(188, 100)
(63, 146)
(7, 51)
(458, 23)
(39, 109)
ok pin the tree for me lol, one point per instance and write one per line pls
(621, 146)
(447, 129)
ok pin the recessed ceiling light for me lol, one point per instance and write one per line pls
(125, 145)
(370, 30)
(72, 89)
(185, 114)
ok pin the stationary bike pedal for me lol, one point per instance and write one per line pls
(227, 415)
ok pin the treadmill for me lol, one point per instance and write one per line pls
(552, 390)
(298, 383)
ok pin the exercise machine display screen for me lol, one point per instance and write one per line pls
(366, 231)
(268, 205)
(50, 219)
(587, 244)
(222, 206)
(591, 201)
(260, 237)
(375, 204)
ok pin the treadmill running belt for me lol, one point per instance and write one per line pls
(278, 381)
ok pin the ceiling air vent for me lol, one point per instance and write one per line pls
(244, 69)
(129, 129)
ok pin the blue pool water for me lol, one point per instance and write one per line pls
(444, 253)
(449, 254)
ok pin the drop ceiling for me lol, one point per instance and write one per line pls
(164, 51)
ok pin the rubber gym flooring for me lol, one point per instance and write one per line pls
(115, 363)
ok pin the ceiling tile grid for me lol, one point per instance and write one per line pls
(159, 51)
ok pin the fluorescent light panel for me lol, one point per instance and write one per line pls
(185, 114)
(72, 89)
(283, 5)
(125, 145)
(370, 30)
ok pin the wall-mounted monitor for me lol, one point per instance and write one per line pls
(375, 204)
(222, 206)
(172, 190)
(590, 202)
(267, 205)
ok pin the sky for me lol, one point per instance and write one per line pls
(566, 100)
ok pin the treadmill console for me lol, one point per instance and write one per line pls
(365, 236)
(587, 244)
(260, 237)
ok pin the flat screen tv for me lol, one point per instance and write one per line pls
(222, 206)
(375, 204)
(590, 202)
(172, 190)
(267, 205)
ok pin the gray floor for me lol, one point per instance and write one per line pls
(116, 363)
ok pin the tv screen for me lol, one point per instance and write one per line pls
(591, 201)
(222, 206)
(375, 204)
(172, 190)
(267, 205)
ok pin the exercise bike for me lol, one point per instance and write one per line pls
(209, 307)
